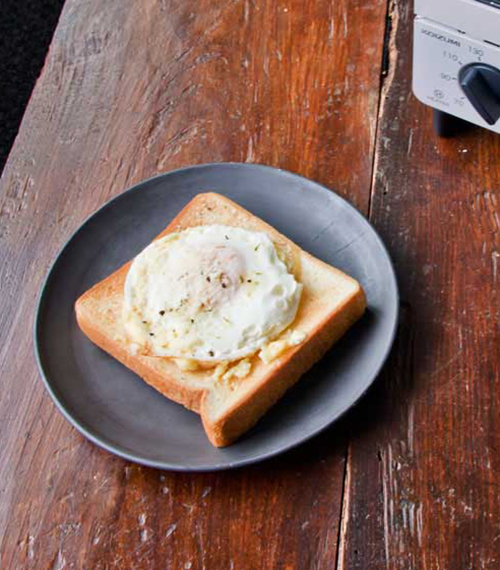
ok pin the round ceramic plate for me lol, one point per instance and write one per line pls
(112, 407)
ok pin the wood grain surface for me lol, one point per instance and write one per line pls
(423, 463)
(131, 89)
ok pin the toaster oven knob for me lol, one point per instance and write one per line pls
(480, 83)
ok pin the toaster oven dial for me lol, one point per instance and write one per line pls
(480, 83)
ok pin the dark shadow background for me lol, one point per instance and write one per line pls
(26, 29)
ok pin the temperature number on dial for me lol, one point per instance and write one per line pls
(448, 76)
(478, 52)
(450, 55)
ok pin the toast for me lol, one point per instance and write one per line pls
(331, 302)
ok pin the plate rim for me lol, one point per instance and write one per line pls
(101, 441)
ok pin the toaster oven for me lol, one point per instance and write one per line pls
(456, 61)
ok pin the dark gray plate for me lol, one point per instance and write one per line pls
(113, 408)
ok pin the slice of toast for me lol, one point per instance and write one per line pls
(331, 302)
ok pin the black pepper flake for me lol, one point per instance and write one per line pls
(249, 280)
(192, 320)
(211, 352)
(144, 322)
(226, 237)
(224, 285)
(208, 279)
(151, 334)
(162, 313)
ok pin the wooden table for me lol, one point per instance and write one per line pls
(409, 479)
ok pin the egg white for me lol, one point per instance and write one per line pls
(209, 293)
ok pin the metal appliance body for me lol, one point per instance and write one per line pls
(456, 59)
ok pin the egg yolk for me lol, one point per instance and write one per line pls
(212, 275)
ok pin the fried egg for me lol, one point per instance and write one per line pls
(209, 293)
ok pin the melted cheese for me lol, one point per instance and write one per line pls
(276, 348)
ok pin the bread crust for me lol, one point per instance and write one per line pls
(98, 313)
(285, 372)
